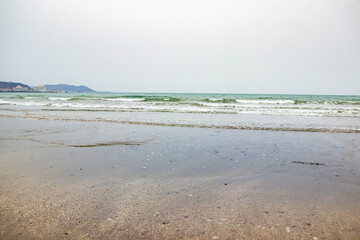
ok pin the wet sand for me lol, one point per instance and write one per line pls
(89, 180)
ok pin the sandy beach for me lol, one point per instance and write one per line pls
(167, 120)
(97, 180)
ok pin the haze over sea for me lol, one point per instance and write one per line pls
(237, 111)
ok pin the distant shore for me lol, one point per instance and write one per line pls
(31, 92)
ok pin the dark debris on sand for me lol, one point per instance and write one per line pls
(107, 144)
(310, 163)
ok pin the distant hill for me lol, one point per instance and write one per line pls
(68, 88)
(12, 84)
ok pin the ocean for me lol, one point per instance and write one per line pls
(317, 113)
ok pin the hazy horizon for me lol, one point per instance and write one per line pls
(244, 47)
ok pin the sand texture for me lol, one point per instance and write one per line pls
(95, 180)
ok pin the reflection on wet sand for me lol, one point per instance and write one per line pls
(118, 181)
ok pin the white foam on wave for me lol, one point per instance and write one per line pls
(23, 103)
(59, 98)
(124, 99)
(78, 105)
(90, 106)
(215, 99)
(30, 103)
(216, 105)
(5, 102)
(264, 101)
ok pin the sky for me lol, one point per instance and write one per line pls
(231, 46)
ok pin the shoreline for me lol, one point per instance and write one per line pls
(96, 117)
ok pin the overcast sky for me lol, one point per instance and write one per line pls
(255, 46)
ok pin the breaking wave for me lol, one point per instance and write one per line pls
(282, 105)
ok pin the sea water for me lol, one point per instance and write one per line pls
(237, 111)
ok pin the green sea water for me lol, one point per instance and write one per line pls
(325, 105)
(238, 111)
